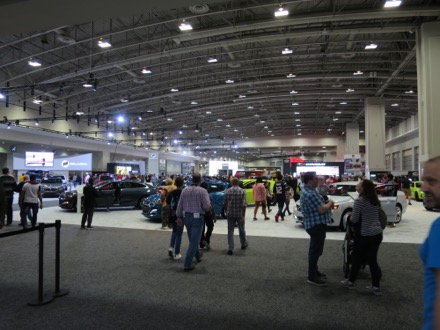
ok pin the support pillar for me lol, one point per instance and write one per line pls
(352, 138)
(428, 80)
(374, 135)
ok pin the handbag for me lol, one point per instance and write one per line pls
(383, 218)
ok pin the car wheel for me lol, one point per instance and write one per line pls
(344, 219)
(138, 203)
(398, 213)
(224, 213)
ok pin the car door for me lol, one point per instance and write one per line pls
(249, 192)
(129, 193)
(388, 199)
(106, 194)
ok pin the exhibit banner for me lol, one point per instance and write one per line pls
(353, 164)
(69, 163)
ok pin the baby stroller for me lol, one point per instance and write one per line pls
(348, 247)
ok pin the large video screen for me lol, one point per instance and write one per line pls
(39, 159)
(320, 170)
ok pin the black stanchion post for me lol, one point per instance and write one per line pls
(58, 292)
(41, 300)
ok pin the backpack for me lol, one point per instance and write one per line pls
(174, 201)
(383, 218)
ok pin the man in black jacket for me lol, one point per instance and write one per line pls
(9, 186)
(90, 195)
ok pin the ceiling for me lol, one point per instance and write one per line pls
(315, 91)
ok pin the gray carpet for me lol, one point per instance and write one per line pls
(123, 279)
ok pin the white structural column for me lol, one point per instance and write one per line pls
(352, 139)
(374, 135)
(100, 160)
(428, 80)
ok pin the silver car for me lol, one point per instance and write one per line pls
(392, 200)
(52, 187)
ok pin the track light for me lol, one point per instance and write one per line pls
(371, 46)
(212, 60)
(392, 3)
(146, 71)
(185, 26)
(281, 12)
(104, 43)
(34, 62)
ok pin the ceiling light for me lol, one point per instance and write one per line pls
(371, 46)
(36, 122)
(357, 73)
(409, 92)
(229, 81)
(88, 84)
(295, 104)
(34, 62)
(335, 119)
(36, 101)
(185, 26)
(149, 111)
(194, 103)
(208, 112)
(104, 43)
(286, 51)
(235, 130)
(349, 90)
(146, 71)
(121, 119)
(281, 12)
(299, 134)
(241, 96)
(250, 107)
(294, 92)
(324, 147)
(343, 103)
(297, 119)
(219, 119)
(228, 125)
(296, 113)
(124, 99)
(395, 104)
(2, 96)
(173, 90)
(79, 113)
(290, 75)
(212, 60)
(298, 125)
(169, 119)
(338, 112)
(392, 3)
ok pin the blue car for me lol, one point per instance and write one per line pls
(151, 207)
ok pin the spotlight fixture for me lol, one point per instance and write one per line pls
(194, 103)
(409, 92)
(241, 96)
(88, 84)
(146, 71)
(294, 92)
(212, 60)
(392, 3)
(371, 46)
(295, 103)
(2, 96)
(343, 103)
(357, 73)
(104, 43)
(37, 101)
(281, 12)
(229, 81)
(185, 26)
(290, 75)
(124, 99)
(395, 104)
(36, 123)
(174, 90)
(349, 90)
(34, 62)
(286, 51)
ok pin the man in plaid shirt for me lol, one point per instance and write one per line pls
(235, 207)
(194, 202)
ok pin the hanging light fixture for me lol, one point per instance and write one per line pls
(104, 43)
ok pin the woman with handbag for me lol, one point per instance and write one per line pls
(365, 218)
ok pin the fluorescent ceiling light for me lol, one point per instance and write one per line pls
(295, 104)
(357, 73)
(409, 92)
(194, 103)
(185, 26)
(349, 90)
(2, 96)
(241, 96)
(174, 90)
(250, 107)
(395, 104)
(103, 43)
(124, 100)
(87, 85)
(34, 63)
(281, 12)
(228, 125)
(392, 3)
(299, 134)
(146, 70)
(229, 81)
(209, 112)
(296, 113)
(371, 46)
(219, 119)
(294, 92)
(170, 119)
(343, 103)
(36, 101)
(290, 75)
(338, 112)
(212, 60)
(286, 51)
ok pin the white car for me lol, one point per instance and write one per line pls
(392, 200)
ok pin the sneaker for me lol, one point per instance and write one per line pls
(243, 247)
(347, 284)
(321, 275)
(171, 252)
(255, 219)
(206, 245)
(178, 257)
(266, 218)
(317, 282)
(89, 227)
(164, 228)
(282, 218)
(83, 228)
(409, 203)
(374, 289)
(276, 217)
(230, 252)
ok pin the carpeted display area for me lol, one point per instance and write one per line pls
(124, 279)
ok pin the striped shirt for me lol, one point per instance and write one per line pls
(368, 214)
(311, 201)
(194, 199)
(235, 199)
(9, 184)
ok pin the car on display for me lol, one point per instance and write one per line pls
(104, 177)
(131, 194)
(248, 184)
(416, 192)
(392, 200)
(52, 187)
(152, 209)
(62, 177)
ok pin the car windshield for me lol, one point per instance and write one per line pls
(105, 177)
(341, 190)
(52, 180)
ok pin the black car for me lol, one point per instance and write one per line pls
(111, 194)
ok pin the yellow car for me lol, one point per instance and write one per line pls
(415, 190)
(248, 184)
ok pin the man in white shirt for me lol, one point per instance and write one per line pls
(29, 197)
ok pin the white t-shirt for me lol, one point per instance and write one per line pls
(30, 191)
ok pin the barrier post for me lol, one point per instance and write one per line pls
(58, 292)
(41, 300)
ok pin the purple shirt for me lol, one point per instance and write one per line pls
(194, 199)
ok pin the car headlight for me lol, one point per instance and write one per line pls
(335, 207)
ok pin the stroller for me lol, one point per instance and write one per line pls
(348, 247)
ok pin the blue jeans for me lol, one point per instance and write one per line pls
(34, 207)
(316, 247)
(194, 228)
(241, 232)
(176, 238)
(280, 203)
